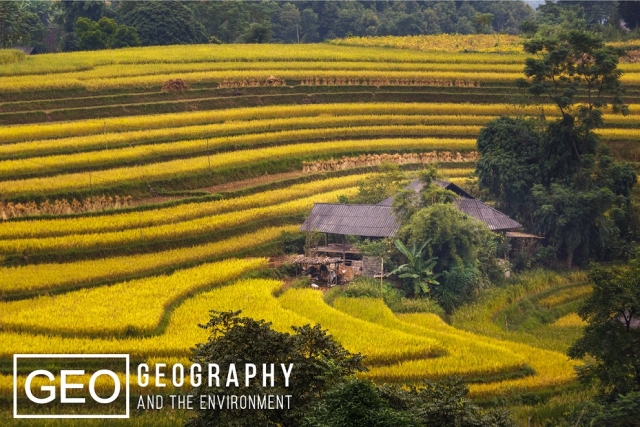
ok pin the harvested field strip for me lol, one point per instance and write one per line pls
(39, 166)
(341, 77)
(233, 131)
(551, 368)
(174, 168)
(185, 229)
(133, 307)
(54, 277)
(467, 355)
(98, 127)
(113, 221)
(366, 77)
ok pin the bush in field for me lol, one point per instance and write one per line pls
(454, 238)
(318, 361)
(378, 187)
(357, 403)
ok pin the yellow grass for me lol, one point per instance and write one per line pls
(167, 232)
(564, 296)
(52, 277)
(571, 320)
(173, 168)
(114, 221)
(441, 43)
(95, 159)
(135, 306)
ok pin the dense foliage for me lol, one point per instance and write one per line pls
(612, 336)
(318, 361)
(163, 23)
(556, 178)
(323, 389)
(104, 34)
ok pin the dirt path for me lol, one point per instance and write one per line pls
(264, 179)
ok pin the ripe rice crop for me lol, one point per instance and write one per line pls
(135, 306)
(551, 368)
(173, 168)
(566, 295)
(381, 345)
(39, 131)
(53, 277)
(164, 122)
(114, 221)
(135, 70)
(440, 43)
(78, 61)
(179, 230)
(256, 299)
(228, 133)
(571, 320)
(57, 163)
(467, 354)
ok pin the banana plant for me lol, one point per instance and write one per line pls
(417, 269)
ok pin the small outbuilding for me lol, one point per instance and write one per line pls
(375, 221)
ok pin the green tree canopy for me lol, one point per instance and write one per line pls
(319, 363)
(378, 187)
(453, 237)
(509, 165)
(612, 334)
(561, 182)
(104, 34)
(164, 23)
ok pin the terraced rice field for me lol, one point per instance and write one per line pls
(138, 279)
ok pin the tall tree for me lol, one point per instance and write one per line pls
(18, 24)
(570, 181)
(319, 363)
(612, 334)
(164, 23)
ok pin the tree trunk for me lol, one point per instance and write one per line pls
(570, 258)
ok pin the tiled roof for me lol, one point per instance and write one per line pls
(354, 220)
(495, 219)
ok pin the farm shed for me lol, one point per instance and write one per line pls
(380, 221)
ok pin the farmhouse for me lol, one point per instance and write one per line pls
(375, 221)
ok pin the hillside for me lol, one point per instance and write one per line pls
(131, 204)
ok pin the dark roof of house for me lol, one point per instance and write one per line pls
(380, 221)
(417, 185)
(467, 204)
(355, 220)
(495, 219)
